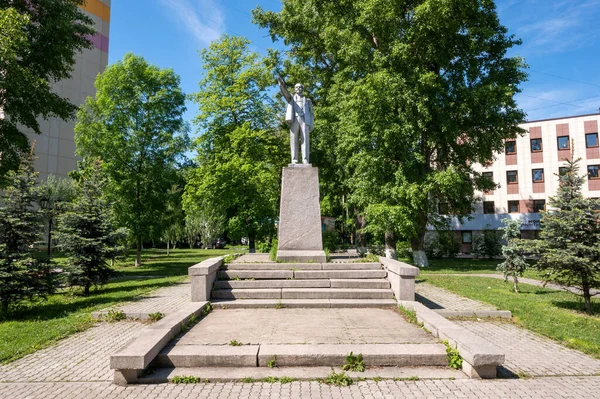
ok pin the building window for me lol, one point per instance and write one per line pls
(536, 145)
(537, 175)
(513, 206)
(488, 175)
(511, 147)
(511, 177)
(467, 237)
(562, 170)
(591, 140)
(488, 207)
(593, 171)
(563, 142)
(539, 205)
(443, 208)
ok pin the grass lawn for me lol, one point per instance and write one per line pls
(39, 324)
(555, 314)
(472, 266)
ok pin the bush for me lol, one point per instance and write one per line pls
(487, 244)
(404, 250)
(331, 240)
(263, 246)
(442, 244)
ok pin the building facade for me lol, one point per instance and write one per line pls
(55, 148)
(527, 174)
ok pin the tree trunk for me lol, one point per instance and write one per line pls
(252, 243)
(361, 238)
(417, 245)
(390, 245)
(168, 247)
(587, 297)
(49, 237)
(86, 289)
(138, 252)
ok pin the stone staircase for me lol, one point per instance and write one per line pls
(269, 284)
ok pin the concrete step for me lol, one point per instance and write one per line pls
(255, 284)
(339, 274)
(352, 266)
(256, 274)
(272, 266)
(357, 283)
(303, 293)
(293, 355)
(247, 374)
(304, 303)
(207, 356)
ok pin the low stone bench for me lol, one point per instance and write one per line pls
(203, 276)
(401, 277)
(129, 361)
(480, 358)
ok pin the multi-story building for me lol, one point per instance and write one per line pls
(527, 174)
(55, 147)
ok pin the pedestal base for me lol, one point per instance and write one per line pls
(302, 256)
(299, 231)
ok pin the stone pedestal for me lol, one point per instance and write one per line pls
(300, 237)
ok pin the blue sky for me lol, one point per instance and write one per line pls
(561, 44)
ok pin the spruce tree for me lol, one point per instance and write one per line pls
(514, 264)
(86, 233)
(569, 245)
(21, 274)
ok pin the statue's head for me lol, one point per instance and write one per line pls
(299, 89)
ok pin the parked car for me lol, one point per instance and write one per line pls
(219, 243)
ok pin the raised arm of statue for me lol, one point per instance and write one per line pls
(284, 91)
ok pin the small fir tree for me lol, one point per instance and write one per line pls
(488, 244)
(514, 263)
(21, 274)
(569, 245)
(86, 233)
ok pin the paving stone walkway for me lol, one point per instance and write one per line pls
(78, 367)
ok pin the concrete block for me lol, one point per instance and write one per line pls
(296, 256)
(339, 274)
(352, 266)
(488, 371)
(202, 276)
(300, 213)
(359, 283)
(258, 284)
(363, 303)
(208, 356)
(242, 293)
(272, 266)
(257, 274)
(139, 352)
(124, 377)
(399, 268)
(206, 267)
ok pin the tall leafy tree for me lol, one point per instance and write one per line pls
(22, 275)
(569, 245)
(86, 232)
(411, 94)
(241, 149)
(38, 43)
(135, 126)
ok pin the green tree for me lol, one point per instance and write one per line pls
(241, 149)
(488, 243)
(569, 245)
(38, 44)
(53, 195)
(514, 264)
(411, 95)
(22, 275)
(135, 125)
(86, 232)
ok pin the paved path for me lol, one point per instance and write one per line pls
(523, 280)
(78, 367)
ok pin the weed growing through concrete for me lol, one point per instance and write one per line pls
(237, 278)
(377, 379)
(354, 363)
(272, 362)
(270, 380)
(413, 378)
(115, 315)
(409, 314)
(454, 358)
(235, 342)
(338, 379)
(279, 305)
(156, 316)
(185, 379)
(287, 380)
(207, 309)
(248, 380)
(523, 374)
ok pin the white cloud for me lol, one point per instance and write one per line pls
(543, 104)
(203, 19)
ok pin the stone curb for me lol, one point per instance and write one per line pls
(304, 303)
(129, 361)
(480, 358)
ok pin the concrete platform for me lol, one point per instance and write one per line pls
(304, 326)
